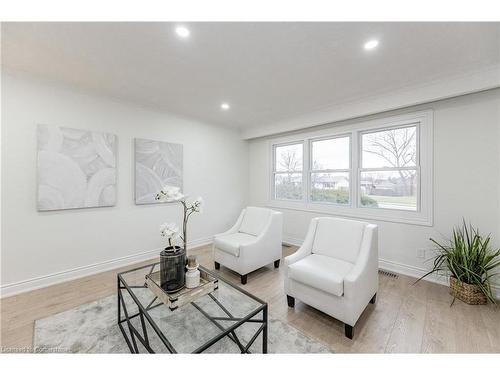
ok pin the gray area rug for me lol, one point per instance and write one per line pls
(92, 328)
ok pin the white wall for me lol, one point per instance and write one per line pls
(66, 244)
(466, 180)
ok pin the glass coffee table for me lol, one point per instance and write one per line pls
(227, 320)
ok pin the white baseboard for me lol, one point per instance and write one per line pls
(417, 272)
(292, 241)
(411, 271)
(400, 268)
(23, 286)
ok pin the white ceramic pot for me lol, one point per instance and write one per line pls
(192, 278)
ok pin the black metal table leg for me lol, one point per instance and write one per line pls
(129, 324)
(232, 335)
(118, 299)
(264, 331)
(144, 329)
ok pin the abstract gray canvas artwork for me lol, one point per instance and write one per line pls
(76, 168)
(156, 164)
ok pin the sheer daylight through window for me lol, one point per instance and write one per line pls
(288, 164)
(389, 172)
(330, 174)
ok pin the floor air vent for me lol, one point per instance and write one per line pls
(388, 274)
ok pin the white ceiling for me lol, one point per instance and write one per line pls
(270, 73)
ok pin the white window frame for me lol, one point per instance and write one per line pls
(310, 170)
(390, 169)
(274, 172)
(424, 213)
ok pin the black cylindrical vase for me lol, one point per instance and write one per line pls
(172, 269)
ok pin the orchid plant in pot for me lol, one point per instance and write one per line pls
(173, 257)
(172, 194)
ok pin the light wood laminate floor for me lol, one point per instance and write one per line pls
(406, 317)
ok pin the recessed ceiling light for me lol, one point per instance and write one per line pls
(224, 106)
(371, 44)
(182, 31)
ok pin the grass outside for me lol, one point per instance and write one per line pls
(410, 201)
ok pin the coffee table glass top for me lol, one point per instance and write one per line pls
(207, 324)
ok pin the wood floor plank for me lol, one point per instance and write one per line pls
(375, 325)
(491, 318)
(471, 333)
(407, 332)
(439, 328)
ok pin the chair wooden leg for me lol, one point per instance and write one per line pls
(277, 263)
(349, 331)
(217, 265)
(374, 299)
(290, 301)
(244, 279)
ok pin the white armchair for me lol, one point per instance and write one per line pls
(253, 242)
(336, 269)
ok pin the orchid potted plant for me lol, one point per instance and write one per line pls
(173, 258)
(172, 194)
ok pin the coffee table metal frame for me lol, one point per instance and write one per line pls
(135, 335)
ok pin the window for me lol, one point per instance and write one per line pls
(389, 169)
(287, 173)
(330, 170)
(379, 169)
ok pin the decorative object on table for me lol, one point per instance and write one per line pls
(172, 194)
(156, 164)
(173, 269)
(76, 168)
(470, 260)
(206, 284)
(172, 260)
(193, 274)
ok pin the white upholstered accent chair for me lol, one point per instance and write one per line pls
(253, 242)
(336, 269)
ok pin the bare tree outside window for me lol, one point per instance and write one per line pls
(389, 167)
(288, 171)
(289, 160)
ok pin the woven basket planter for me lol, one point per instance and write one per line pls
(468, 293)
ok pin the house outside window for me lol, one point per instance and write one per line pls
(330, 170)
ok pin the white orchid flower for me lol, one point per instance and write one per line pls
(173, 194)
(169, 194)
(197, 204)
(169, 230)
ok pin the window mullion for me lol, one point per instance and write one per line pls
(355, 164)
(306, 168)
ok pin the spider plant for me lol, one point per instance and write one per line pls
(469, 257)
